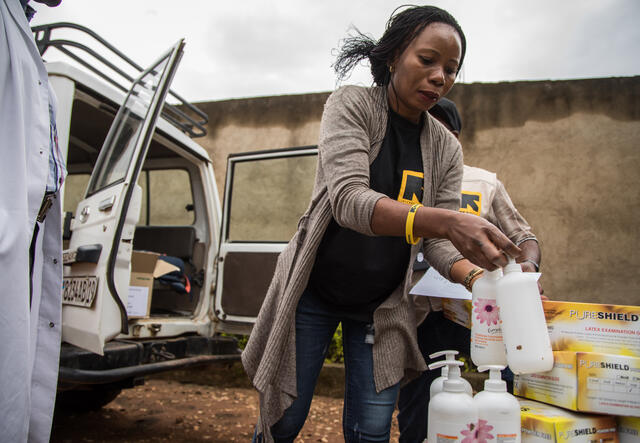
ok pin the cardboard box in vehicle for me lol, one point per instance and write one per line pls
(145, 266)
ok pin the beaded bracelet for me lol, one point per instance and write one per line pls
(470, 276)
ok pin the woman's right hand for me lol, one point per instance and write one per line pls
(479, 241)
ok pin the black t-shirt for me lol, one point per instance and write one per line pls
(353, 272)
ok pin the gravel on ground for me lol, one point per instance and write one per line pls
(176, 408)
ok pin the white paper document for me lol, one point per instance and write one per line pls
(138, 301)
(433, 284)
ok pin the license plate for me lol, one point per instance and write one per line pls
(69, 257)
(79, 291)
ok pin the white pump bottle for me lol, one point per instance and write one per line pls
(487, 347)
(498, 411)
(437, 384)
(452, 414)
(524, 328)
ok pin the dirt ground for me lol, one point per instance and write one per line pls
(192, 406)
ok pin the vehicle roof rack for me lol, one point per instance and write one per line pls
(192, 123)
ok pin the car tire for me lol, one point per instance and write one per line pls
(91, 399)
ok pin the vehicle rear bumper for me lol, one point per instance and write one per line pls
(128, 359)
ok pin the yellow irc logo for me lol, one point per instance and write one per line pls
(471, 202)
(411, 189)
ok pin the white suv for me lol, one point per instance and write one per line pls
(139, 185)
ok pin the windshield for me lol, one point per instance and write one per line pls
(119, 146)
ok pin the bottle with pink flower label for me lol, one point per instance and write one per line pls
(487, 347)
(498, 411)
(452, 413)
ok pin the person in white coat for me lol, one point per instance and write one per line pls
(31, 173)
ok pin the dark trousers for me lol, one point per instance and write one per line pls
(436, 333)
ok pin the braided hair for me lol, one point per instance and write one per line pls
(401, 29)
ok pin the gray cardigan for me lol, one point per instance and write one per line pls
(352, 130)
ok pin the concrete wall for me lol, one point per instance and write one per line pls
(568, 152)
(256, 124)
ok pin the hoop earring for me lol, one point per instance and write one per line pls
(391, 69)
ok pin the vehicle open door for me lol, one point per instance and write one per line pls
(94, 309)
(265, 195)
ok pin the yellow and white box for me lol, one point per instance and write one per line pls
(586, 381)
(628, 429)
(589, 327)
(458, 311)
(544, 423)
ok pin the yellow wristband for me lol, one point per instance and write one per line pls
(409, 226)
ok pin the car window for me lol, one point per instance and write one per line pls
(268, 197)
(74, 187)
(167, 199)
(119, 146)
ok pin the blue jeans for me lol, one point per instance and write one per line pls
(366, 415)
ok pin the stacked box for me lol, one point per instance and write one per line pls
(543, 424)
(629, 429)
(588, 327)
(596, 359)
(586, 381)
(458, 311)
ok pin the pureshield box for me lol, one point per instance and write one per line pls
(588, 327)
(544, 423)
(628, 429)
(588, 382)
(458, 311)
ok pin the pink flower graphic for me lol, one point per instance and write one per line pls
(477, 434)
(487, 311)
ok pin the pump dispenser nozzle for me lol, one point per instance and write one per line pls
(494, 383)
(449, 354)
(454, 382)
(438, 384)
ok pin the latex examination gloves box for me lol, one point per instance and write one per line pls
(544, 423)
(588, 327)
(628, 429)
(586, 381)
(145, 266)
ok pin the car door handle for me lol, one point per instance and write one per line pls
(107, 203)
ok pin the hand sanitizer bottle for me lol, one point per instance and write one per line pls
(498, 411)
(452, 414)
(437, 384)
(524, 328)
(487, 347)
